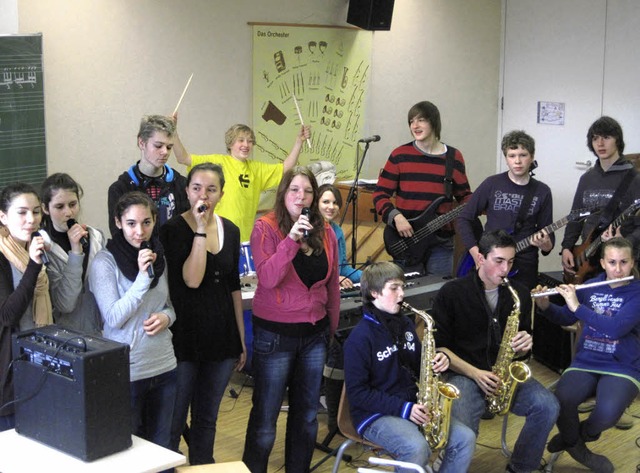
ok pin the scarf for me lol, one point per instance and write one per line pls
(19, 258)
(126, 257)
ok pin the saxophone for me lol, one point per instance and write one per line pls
(435, 395)
(511, 373)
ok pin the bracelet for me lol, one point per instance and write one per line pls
(449, 359)
(197, 234)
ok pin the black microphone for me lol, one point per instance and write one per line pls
(305, 211)
(44, 257)
(370, 139)
(83, 241)
(143, 246)
(202, 208)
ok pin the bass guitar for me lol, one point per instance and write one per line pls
(413, 248)
(467, 263)
(585, 256)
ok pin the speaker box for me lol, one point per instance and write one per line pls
(72, 391)
(551, 343)
(370, 14)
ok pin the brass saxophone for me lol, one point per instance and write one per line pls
(511, 373)
(435, 395)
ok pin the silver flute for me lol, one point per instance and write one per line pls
(553, 291)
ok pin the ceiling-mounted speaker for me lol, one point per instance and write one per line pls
(370, 14)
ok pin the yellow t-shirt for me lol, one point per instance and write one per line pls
(244, 181)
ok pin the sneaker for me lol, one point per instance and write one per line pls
(625, 422)
(587, 406)
(593, 461)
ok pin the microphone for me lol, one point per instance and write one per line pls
(370, 139)
(83, 241)
(305, 232)
(44, 257)
(144, 246)
(202, 208)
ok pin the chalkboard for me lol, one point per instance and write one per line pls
(23, 153)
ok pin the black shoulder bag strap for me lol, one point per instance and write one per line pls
(450, 159)
(607, 215)
(525, 205)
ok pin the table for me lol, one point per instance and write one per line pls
(19, 454)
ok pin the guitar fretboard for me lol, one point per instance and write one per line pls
(526, 242)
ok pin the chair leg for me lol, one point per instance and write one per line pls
(552, 461)
(339, 454)
(505, 449)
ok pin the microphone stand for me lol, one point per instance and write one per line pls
(352, 199)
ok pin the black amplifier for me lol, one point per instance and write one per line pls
(72, 391)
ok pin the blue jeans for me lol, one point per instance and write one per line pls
(279, 362)
(531, 400)
(613, 395)
(152, 401)
(201, 385)
(404, 442)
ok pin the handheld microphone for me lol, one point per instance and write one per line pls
(83, 241)
(44, 257)
(144, 246)
(305, 232)
(370, 139)
(202, 208)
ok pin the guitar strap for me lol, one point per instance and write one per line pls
(525, 205)
(608, 214)
(450, 159)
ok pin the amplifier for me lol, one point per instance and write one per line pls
(72, 391)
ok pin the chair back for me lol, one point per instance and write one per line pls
(345, 424)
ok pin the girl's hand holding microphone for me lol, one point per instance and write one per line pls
(300, 229)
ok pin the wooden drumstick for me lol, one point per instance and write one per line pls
(300, 116)
(182, 96)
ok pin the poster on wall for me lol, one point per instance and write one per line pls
(326, 70)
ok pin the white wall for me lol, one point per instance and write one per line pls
(8, 17)
(108, 62)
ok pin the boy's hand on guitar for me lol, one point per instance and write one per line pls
(541, 240)
(474, 252)
(610, 233)
(403, 227)
(567, 261)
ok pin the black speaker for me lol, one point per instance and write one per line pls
(72, 391)
(551, 343)
(370, 14)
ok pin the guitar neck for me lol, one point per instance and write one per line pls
(440, 221)
(526, 242)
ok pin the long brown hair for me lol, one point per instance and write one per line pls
(283, 218)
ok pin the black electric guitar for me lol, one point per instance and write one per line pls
(467, 263)
(412, 249)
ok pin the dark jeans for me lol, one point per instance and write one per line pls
(613, 395)
(201, 385)
(152, 401)
(280, 362)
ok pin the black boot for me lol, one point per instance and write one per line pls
(593, 461)
(556, 444)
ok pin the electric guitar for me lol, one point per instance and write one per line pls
(412, 248)
(467, 263)
(583, 255)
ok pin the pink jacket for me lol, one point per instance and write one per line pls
(281, 296)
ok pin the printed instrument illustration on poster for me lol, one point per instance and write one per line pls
(327, 71)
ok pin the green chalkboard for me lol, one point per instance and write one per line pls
(23, 153)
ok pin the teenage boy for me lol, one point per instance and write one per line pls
(382, 365)
(513, 200)
(471, 315)
(418, 173)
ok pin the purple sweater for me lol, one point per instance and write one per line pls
(281, 296)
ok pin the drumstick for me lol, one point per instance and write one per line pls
(300, 115)
(182, 96)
